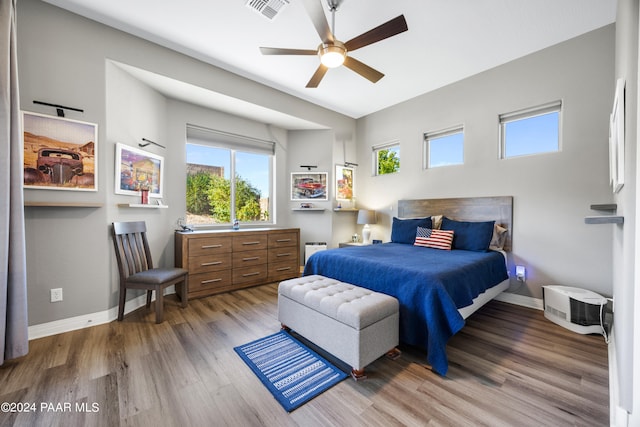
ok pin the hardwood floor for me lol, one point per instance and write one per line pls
(509, 366)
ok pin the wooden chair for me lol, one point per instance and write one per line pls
(136, 267)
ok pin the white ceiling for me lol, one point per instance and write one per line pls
(447, 40)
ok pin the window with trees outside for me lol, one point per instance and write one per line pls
(212, 196)
(386, 158)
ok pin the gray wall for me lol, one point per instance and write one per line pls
(552, 192)
(625, 238)
(70, 60)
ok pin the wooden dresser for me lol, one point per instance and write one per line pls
(222, 261)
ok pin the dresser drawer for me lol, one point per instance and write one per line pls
(283, 270)
(283, 254)
(277, 240)
(212, 282)
(249, 242)
(250, 275)
(209, 245)
(249, 258)
(212, 262)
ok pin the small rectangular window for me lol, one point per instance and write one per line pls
(386, 158)
(532, 131)
(444, 148)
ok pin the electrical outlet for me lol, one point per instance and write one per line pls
(520, 273)
(56, 295)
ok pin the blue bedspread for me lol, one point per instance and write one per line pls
(430, 285)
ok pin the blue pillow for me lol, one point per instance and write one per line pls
(470, 236)
(404, 230)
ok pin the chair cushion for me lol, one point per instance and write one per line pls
(157, 276)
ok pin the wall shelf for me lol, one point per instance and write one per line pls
(63, 204)
(139, 205)
(308, 209)
(605, 207)
(345, 210)
(604, 219)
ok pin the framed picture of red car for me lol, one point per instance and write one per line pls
(59, 153)
(138, 170)
(309, 186)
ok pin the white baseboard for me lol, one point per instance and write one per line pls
(522, 300)
(86, 320)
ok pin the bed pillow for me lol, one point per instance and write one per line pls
(470, 236)
(437, 239)
(404, 230)
(498, 239)
(436, 221)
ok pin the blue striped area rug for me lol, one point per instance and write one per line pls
(292, 372)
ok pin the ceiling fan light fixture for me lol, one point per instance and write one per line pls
(332, 55)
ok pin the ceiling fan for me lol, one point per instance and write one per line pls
(334, 53)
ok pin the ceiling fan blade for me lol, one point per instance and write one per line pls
(316, 13)
(279, 51)
(317, 76)
(381, 32)
(363, 69)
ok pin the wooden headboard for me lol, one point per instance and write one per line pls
(498, 208)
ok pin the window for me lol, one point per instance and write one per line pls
(214, 157)
(444, 148)
(532, 131)
(386, 158)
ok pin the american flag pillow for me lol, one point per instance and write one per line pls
(438, 239)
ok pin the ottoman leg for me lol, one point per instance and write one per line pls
(393, 354)
(285, 327)
(358, 374)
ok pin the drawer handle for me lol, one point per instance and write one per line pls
(211, 246)
(206, 282)
(283, 268)
(255, 273)
(253, 258)
(250, 243)
(283, 240)
(204, 264)
(285, 254)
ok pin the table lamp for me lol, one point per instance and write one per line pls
(366, 217)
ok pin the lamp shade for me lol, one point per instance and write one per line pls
(366, 216)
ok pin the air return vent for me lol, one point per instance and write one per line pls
(267, 8)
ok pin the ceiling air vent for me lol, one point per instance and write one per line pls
(267, 8)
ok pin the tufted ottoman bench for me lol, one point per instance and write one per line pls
(354, 324)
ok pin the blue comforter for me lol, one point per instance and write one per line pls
(430, 285)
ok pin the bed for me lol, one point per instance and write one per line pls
(437, 289)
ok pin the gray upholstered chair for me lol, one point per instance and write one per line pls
(136, 268)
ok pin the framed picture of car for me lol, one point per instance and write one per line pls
(59, 153)
(309, 186)
(138, 170)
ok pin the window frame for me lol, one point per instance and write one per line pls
(524, 114)
(236, 144)
(375, 156)
(430, 136)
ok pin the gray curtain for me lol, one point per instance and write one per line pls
(14, 339)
